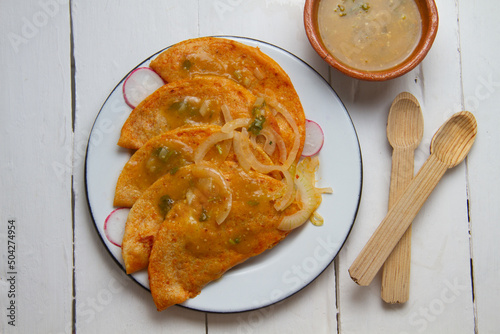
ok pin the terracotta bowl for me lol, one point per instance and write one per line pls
(429, 14)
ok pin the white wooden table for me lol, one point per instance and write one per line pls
(58, 62)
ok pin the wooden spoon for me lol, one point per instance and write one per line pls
(405, 128)
(449, 146)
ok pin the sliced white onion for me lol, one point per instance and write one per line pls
(259, 101)
(250, 157)
(316, 219)
(309, 202)
(258, 73)
(238, 150)
(326, 190)
(226, 113)
(224, 148)
(308, 194)
(277, 141)
(192, 100)
(190, 196)
(264, 158)
(204, 108)
(235, 124)
(269, 141)
(246, 155)
(288, 117)
(206, 185)
(253, 139)
(204, 171)
(287, 197)
(213, 139)
(294, 220)
(308, 168)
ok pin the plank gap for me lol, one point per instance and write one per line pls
(73, 120)
(337, 294)
(73, 278)
(460, 61)
(72, 64)
(198, 26)
(471, 248)
(473, 295)
(336, 259)
(466, 162)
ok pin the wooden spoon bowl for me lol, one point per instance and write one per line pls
(405, 124)
(444, 144)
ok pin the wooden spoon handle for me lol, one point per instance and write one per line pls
(396, 222)
(396, 270)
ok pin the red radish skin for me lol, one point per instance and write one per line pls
(315, 139)
(114, 225)
(141, 83)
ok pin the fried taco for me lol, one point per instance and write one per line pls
(166, 153)
(198, 100)
(194, 247)
(244, 64)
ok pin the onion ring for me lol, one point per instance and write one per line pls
(203, 171)
(204, 147)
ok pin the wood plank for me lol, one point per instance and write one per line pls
(313, 307)
(440, 284)
(36, 150)
(480, 40)
(110, 39)
(273, 21)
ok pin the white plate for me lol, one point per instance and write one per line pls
(306, 252)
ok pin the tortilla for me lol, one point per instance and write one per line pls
(146, 216)
(189, 252)
(160, 155)
(194, 101)
(168, 152)
(242, 63)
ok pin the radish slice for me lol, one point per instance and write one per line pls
(314, 139)
(114, 225)
(141, 83)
